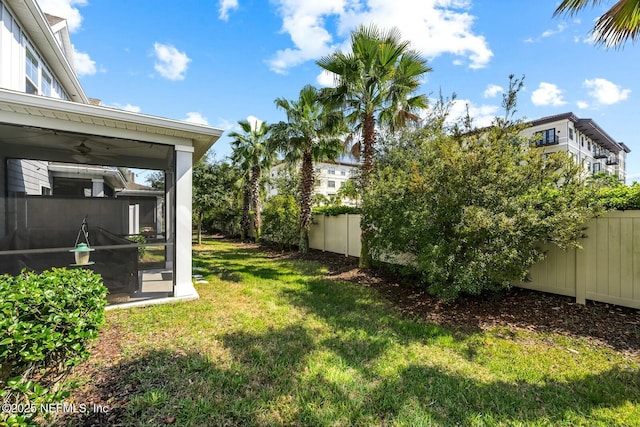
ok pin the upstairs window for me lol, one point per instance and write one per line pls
(332, 171)
(331, 184)
(571, 134)
(31, 69)
(45, 87)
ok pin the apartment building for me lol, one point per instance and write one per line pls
(584, 140)
(329, 177)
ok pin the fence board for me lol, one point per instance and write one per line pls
(606, 269)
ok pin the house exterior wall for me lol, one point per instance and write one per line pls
(14, 44)
(28, 176)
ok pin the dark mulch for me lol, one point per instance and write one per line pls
(603, 324)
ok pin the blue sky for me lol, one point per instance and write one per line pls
(220, 61)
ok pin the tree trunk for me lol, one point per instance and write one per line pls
(368, 140)
(246, 207)
(256, 172)
(200, 215)
(307, 179)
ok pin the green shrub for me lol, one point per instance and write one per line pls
(336, 210)
(472, 210)
(47, 321)
(139, 238)
(281, 215)
(620, 197)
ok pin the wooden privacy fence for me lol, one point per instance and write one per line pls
(606, 269)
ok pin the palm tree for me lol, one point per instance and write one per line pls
(616, 26)
(375, 85)
(308, 135)
(253, 153)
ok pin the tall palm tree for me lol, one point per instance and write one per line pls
(253, 153)
(311, 133)
(375, 84)
(615, 26)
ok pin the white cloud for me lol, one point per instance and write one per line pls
(64, 9)
(482, 115)
(225, 125)
(325, 79)
(83, 64)
(583, 105)
(197, 118)
(170, 62)
(492, 91)
(434, 27)
(547, 94)
(547, 33)
(225, 7)
(127, 107)
(254, 122)
(605, 92)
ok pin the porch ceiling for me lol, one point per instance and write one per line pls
(100, 124)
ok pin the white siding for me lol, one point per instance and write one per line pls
(13, 43)
(27, 176)
(11, 52)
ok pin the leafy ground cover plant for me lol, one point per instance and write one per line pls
(47, 321)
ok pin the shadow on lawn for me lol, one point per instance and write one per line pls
(268, 383)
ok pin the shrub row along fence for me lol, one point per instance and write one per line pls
(606, 269)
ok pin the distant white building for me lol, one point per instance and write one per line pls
(329, 177)
(584, 140)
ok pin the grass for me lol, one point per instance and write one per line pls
(272, 342)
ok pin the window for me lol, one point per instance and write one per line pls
(547, 137)
(343, 172)
(331, 184)
(332, 171)
(571, 134)
(31, 69)
(582, 141)
(589, 145)
(597, 168)
(352, 172)
(45, 191)
(342, 184)
(45, 87)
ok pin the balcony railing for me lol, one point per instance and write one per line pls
(600, 153)
(543, 142)
(613, 160)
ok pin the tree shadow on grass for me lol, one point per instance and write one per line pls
(266, 381)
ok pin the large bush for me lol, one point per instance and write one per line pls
(620, 197)
(281, 215)
(46, 323)
(472, 209)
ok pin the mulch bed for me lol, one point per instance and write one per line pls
(603, 324)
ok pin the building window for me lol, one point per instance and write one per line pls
(582, 141)
(332, 171)
(597, 168)
(341, 184)
(547, 137)
(589, 145)
(352, 172)
(31, 69)
(317, 183)
(343, 172)
(571, 134)
(331, 184)
(45, 87)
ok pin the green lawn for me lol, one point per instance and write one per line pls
(272, 342)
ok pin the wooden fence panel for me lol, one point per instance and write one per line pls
(606, 269)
